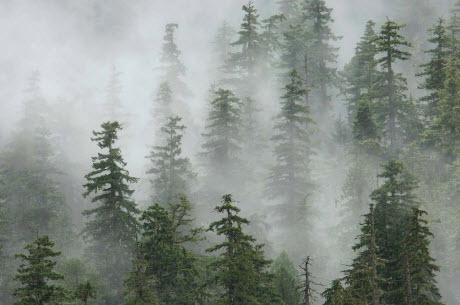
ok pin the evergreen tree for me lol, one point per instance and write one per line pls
(391, 109)
(434, 69)
(286, 279)
(171, 172)
(172, 66)
(454, 27)
(222, 47)
(448, 120)
(394, 200)
(113, 226)
(421, 264)
(85, 292)
(323, 55)
(290, 179)
(163, 102)
(36, 275)
(241, 268)
(222, 136)
(242, 65)
(139, 286)
(360, 75)
(168, 261)
(364, 126)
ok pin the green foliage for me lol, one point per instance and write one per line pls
(289, 178)
(171, 172)
(286, 280)
(113, 226)
(391, 108)
(36, 275)
(241, 268)
(364, 126)
(169, 266)
(335, 295)
(84, 292)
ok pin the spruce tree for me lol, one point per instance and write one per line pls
(289, 178)
(112, 226)
(322, 53)
(335, 294)
(360, 75)
(163, 103)
(222, 137)
(286, 279)
(421, 266)
(434, 70)
(168, 262)
(36, 275)
(454, 27)
(391, 109)
(448, 120)
(172, 67)
(242, 64)
(85, 292)
(394, 200)
(364, 125)
(171, 173)
(241, 268)
(222, 47)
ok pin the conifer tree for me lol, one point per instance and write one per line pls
(163, 103)
(168, 262)
(323, 55)
(289, 178)
(454, 27)
(242, 64)
(448, 120)
(113, 226)
(434, 70)
(172, 67)
(421, 265)
(222, 147)
(36, 275)
(222, 47)
(394, 200)
(171, 172)
(364, 126)
(335, 294)
(85, 292)
(391, 110)
(286, 279)
(360, 75)
(241, 268)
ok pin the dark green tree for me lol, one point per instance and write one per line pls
(391, 109)
(172, 173)
(85, 292)
(222, 136)
(241, 268)
(36, 275)
(335, 294)
(289, 178)
(394, 200)
(112, 226)
(364, 125)
(286, 279)
(448, 121)
(323, 55)
(360, 75)
(168, 261)
(434, 70)
(421, 265)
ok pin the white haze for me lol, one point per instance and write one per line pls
(74, 44)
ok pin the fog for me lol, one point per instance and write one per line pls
(74, 45)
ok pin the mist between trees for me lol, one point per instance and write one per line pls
(280, 162)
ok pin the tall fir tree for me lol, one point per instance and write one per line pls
(222, 148)
(421, 265)
(434, 70)
(37, 276)
(170, 264)
(393, 100)
(448, 121)
(323, 54)
(242, 65)
(286, 279)
(360, 75)
(112, 226)
(289, 178)
(173, 70)
(222, 47)
(171, 173)
(162, 103)
(241, 269)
